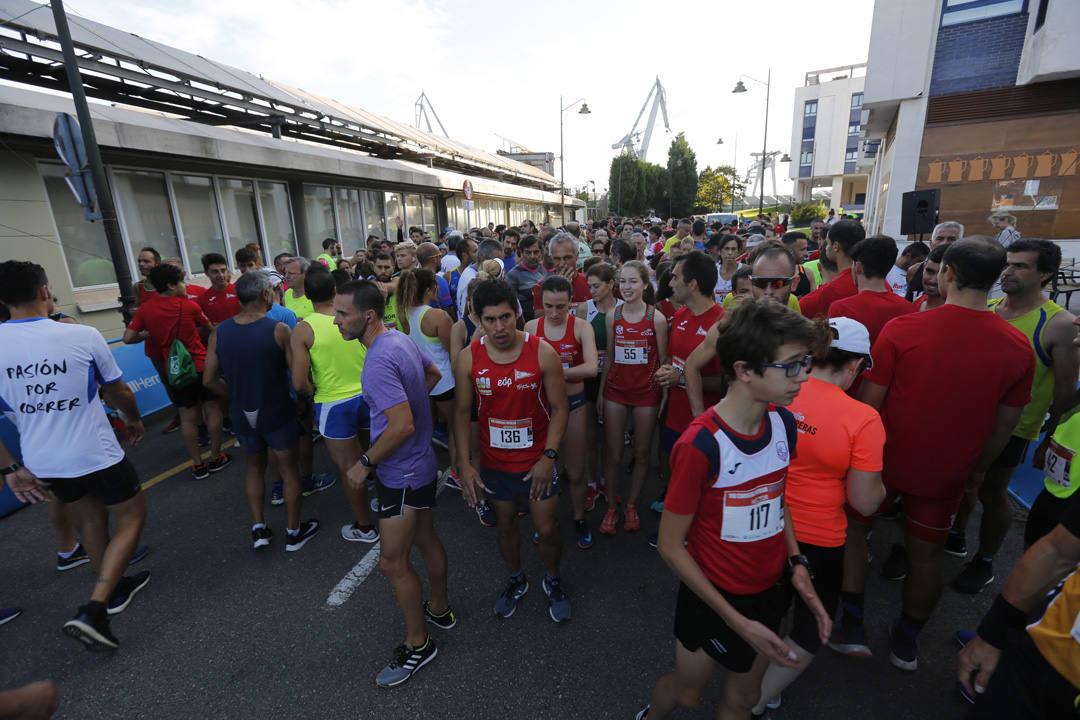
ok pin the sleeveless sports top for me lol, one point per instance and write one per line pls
(568, 347)
(631, 379)
(512, 407)
(598, 320)
(1032, 324)
(336, 364)
(254, 369)
(431, 347)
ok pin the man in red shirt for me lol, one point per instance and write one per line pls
(563, 249)
(219, 302)
(977, 371)
(843, 236)
(161, 320)
(875, 304)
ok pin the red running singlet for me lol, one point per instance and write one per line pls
(511, 406)
(569, 349)
(635, 357)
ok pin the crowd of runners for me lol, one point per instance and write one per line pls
(791, 388)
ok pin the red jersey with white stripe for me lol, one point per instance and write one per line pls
(635, 357)
(570, 351)
(511, 406)
(687, 332)
(733, 485)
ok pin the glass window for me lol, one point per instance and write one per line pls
(319, 211)
(144, 206)
(374, 215)
(86, 250)
(808, 132)
(277, 219)
(241, 214)
(431, 217)
(856, 100)
(853, 129)
(413, 214)
(352, 221)
(810, 108)
(199, 219)
(806, 158)
(955, 12)
(851, 156)
(394, 209)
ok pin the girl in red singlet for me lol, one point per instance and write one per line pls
(574, 341)
(637, 346)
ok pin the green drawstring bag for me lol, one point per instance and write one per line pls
(181, 368)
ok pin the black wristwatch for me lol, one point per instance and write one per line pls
(553, 454)
(794, 560)
(365, 460)
(10, 468)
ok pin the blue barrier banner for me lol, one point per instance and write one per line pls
(141, 377)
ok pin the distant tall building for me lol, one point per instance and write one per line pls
(825, 137)
(980, 100)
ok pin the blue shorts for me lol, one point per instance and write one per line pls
(577, 401)
(668, 438)
(508, 485)
(341, 419)
(280, 439)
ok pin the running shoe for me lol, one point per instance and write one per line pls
(172, 426)
(654, 539)
(584, 535)
(204, 436)
(592, 495)
(77, 557)
(140, 552)
(440, 438)
(317, 483)
(611, 517)
(445, 620)
(536, 538)
(956, 544)
(558, 603)
(486, 514)
(895, 566)
(126, 590)
(978, 574)
(774, 704)
(356, 532)
(227, 426)
(221, 462)
(643, 713)
(306, 531)
(631, 521)
(260, 537)
(964, 693)
(277, 493)
(515, 589)
(963, 637)
(90, 626)
(200, 472)
(904, 652)
(451, 480)
(406, 661)
(658, 504)
(9, 613)
(850, 640)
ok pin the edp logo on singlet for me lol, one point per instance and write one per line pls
(505, 382)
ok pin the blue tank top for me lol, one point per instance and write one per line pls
(254, 369)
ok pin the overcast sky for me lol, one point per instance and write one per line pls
(499, 68)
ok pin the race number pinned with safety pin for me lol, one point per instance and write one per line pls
(631, 352)
(511, 434)
(1059, 464)
(751, 515)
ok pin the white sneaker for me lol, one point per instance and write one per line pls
(354, 533)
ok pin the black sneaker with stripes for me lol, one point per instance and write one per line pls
(445, 620)
(406, 661)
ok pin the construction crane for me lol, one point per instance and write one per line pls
(658, 96)
(423, 106)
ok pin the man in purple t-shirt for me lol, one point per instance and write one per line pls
(397, 378)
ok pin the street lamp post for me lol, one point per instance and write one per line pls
(562, 164)
(740, 88)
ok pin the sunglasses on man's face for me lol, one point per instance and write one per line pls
(776, 283)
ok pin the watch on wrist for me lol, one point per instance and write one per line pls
(552, 454)
(10, 468)
(365, 460)
(794, 560)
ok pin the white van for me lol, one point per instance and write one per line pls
(722, 218)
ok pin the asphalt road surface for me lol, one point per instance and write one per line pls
(223, 631)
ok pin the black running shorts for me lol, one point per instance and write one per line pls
(828, 566)
(698, 627)
(393, 501)
(112, 485)
(1013, 454)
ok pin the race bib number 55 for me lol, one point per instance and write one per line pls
(632, 352)
(751, 515)
(510, 434)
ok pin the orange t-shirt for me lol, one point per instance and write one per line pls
(836, 432)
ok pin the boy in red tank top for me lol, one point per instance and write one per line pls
(522, 408)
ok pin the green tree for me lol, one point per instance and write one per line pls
(716, 188)
(637, 186)
(682, 169)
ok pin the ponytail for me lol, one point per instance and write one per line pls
(406, 297)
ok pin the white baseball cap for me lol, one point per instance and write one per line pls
(850, 335)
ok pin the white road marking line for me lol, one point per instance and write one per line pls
(359, 573)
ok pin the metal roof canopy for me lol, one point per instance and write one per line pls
(122, 67)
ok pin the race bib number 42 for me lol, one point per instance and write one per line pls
(632, 352)
(510, 434)
(751, 515)
(1059, 464)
